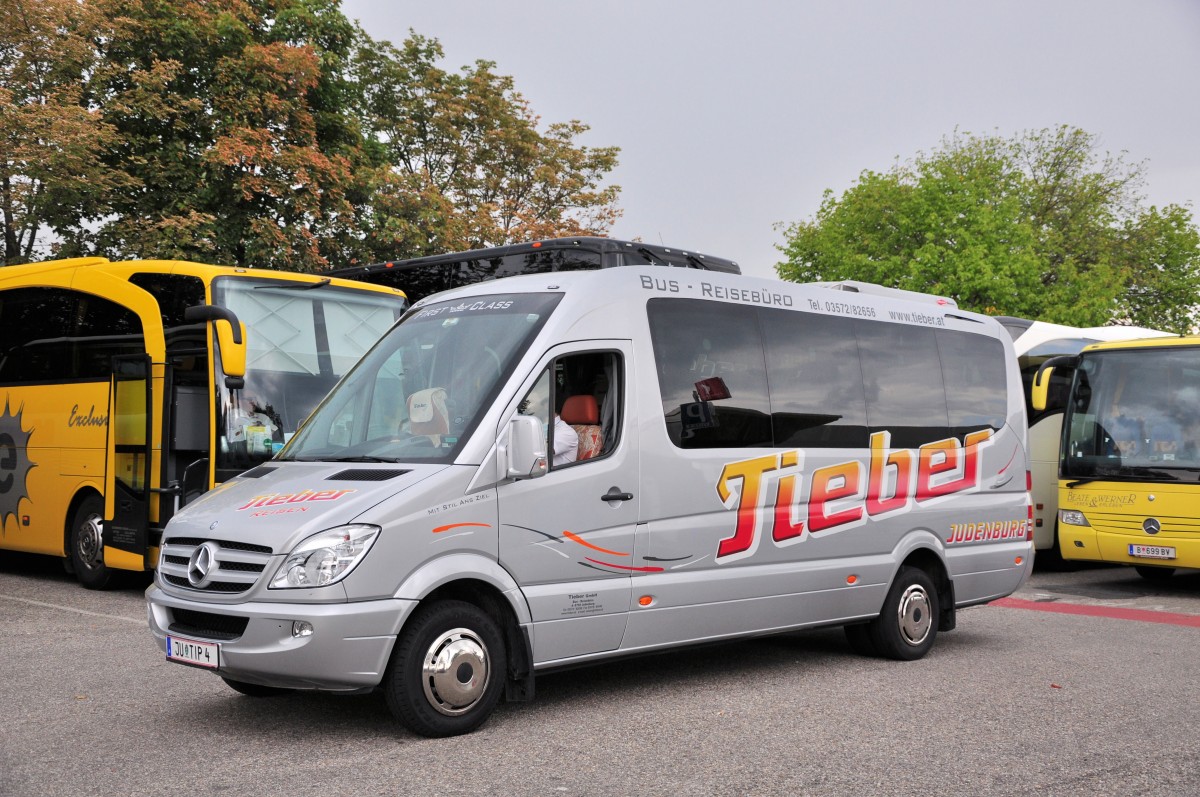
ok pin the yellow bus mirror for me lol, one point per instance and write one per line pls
(231, 336)
(233, 347)
(1039, 391)
(1041, 388)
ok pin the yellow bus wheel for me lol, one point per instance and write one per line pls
(87, 544)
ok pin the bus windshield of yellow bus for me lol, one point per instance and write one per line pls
(1135, 416)
(303, 337)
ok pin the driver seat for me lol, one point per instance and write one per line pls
(583, 415)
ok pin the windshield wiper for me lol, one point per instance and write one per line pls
(363, 458)
(654, 259)
(1078, 482)
(296, 286)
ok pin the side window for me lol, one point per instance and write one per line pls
(187, 343)
(817, 394)
(973, 368)
(577, 399)
(712, 375)
(419, 281)
(105, 329)
(174, 293)
(37, 325)
(902, 375)
(54, 335)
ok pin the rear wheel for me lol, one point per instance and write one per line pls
(448, 670)
(1155, 573)
(908, 624)
(86, 543)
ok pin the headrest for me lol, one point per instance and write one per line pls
(427, 412)
(580, 409)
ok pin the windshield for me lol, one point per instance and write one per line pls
(421, 391)
(301, 338)
(1134, 415)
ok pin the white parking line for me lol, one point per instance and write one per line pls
(139, 621)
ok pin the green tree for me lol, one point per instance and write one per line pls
(1039, 226)
(52, 177)
(1163, 248)
(233, 115)
(461, 162)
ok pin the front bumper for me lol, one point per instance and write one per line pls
(1087, 543)
(348, 649)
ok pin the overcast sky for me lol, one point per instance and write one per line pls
(733, 115)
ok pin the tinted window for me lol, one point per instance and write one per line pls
(417, 282)
(976, 384)
(903, 381)
(103, 330)
(173, 292)
(711, 373)
(817, 394)
(831, 380)
(543, 260)
(52, 334)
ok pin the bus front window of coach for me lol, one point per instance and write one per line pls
(420, 392)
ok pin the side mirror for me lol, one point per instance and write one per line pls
(231, 336)
(525, 453)
(1040, 390)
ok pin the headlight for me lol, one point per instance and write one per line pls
(1072, 517)
(325, 558)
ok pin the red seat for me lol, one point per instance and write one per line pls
(583, 415)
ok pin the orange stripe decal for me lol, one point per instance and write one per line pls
(440, 529)
(576, 538)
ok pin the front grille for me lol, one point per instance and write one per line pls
(237, 546)
(206, 624)
(234, 567)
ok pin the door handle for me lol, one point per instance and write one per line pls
(614, 494)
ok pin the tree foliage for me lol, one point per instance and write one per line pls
(271, 133)
(52, 174)
(1040, 225)
(465, 165)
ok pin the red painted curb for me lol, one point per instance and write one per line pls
(1111, 612)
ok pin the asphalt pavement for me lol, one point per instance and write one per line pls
(1085, 684)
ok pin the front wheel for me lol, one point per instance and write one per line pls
(908, 624)
(86, 543)
(448, 670)
(1156, 574)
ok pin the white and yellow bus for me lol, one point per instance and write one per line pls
(129, 388)
(1035, 342)
(1129, 469)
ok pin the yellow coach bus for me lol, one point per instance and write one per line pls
(131, 388)
(1129, 468)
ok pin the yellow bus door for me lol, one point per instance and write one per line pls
(127, 475)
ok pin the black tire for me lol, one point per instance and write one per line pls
(86, 544)
(254, 690)
(908, 624)
(1156, 574)
(448, 670)
(859, 637)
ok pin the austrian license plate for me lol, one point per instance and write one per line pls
(189, 651)
(1152, 551)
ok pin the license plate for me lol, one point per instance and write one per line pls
(1152, 551)
(189, 651)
